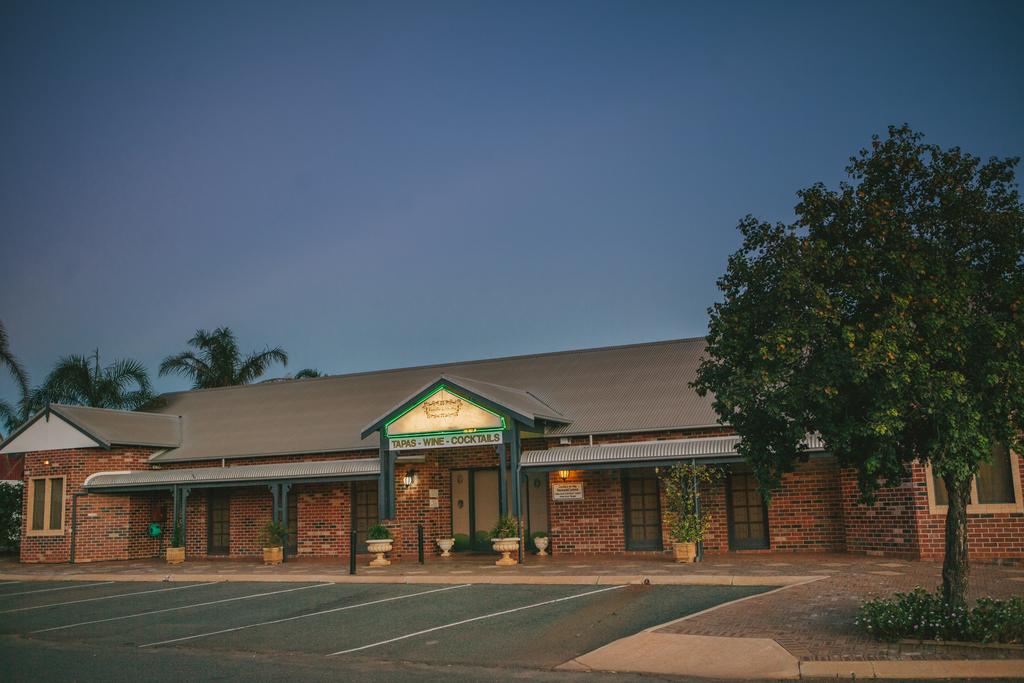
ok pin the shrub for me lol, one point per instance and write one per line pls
(482, 537)
(685, 524)
(378, 532)
(10, 515)
(461, 541)
(926, 616)
(507, 527)
(273, 535)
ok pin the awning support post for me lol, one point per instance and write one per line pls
(502, 481)
(696, 508)
(516, 470)
(183, 493)
(382, 478)
(284, 519)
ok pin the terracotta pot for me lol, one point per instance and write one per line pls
(175, 555)
(542, 545)
(506, 546)
(685, 552)
(446, 545)
(379, 547)
(273, 555)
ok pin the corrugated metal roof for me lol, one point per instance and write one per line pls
(642, 387)
(244, 473)
(122, 426)
(681, 449)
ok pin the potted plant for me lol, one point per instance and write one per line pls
(446, 544)
(505, 540)
(379, 541)
(272, 537)
(687, 526)
(540, 540)
(175, 552)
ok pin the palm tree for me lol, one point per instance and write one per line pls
(79, 380)
(13, 416)
(306, 373)
(217, 362)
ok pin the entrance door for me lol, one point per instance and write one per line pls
(364, 510)
(474, 507)
(218, 523)
(642, 510)
(748, 515)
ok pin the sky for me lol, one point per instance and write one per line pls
(383, 184)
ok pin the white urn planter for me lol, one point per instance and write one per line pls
(446, 545)
(379, 547)
(506, 546)
(542, 545)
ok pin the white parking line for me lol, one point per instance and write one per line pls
(108, 597)
(8, 583)
(62, 588)
(303, 616)
(467, 621)
(173, 609)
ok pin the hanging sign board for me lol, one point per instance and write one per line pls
(567, 491)
(412, 443)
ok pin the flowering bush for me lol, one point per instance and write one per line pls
(924, 615)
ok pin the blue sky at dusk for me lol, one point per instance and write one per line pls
(374, 185)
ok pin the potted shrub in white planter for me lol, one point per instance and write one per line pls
(686, 527)
(505, 540)
(272, 538)
(446, 544)
(379, 541)
(175, 552)
(540, 541)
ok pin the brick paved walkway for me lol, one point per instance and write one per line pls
(815, 621)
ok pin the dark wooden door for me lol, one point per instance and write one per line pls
(218, 523)
(364, 510)
(642, 510)
(748, 515)
(293, 525)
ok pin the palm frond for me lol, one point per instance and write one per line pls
(258, 363)
(14, 366)
(307, 373)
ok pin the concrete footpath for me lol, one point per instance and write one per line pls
(673, 654)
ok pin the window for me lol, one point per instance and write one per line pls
(996, 484)
(46, 506)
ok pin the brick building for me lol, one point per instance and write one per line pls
(569, 443)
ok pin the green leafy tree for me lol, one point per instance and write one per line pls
(307, 373)
(887, 319)
(13, 415)
(81, 380)
(217, 361)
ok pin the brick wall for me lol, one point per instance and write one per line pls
(105, 528)
(990, 535)
(806, 512)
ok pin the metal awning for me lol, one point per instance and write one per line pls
(712, 449)
(198, 477)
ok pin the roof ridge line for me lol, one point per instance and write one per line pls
(406, 368)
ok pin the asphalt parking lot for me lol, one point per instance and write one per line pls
(108, 630)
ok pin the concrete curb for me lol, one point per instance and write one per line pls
(582, 580)
(920, 669)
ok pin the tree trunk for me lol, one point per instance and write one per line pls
(955, 567)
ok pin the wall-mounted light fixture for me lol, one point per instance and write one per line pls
(409, 478)
(564, 474)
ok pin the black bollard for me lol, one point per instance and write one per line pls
(419, 540)
(352, 553)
